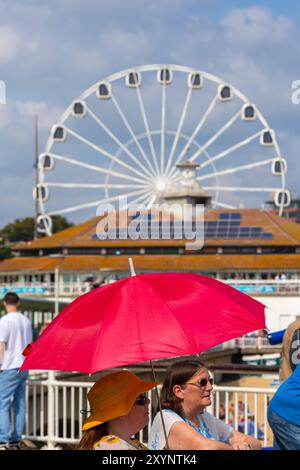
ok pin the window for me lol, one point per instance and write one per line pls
(46, 162)
(279, 166)
(224, 93)
(79, 109)
(267, 137)
(195, 81)
(40, 193)
(248, 112)
(104, 91)
(164, 76)
(133, 80)
(59, 133)
(282, 198)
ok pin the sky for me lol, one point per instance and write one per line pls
(51, 51)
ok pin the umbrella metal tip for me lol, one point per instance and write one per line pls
(131, 265)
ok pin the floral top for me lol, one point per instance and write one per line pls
(112, 442)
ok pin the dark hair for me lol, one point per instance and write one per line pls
(11, 298)
(91, 436)
(177, 374)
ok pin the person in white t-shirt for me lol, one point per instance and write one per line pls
(185, 395)
(15, 335)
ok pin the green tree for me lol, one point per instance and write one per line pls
(60, 223)
(23, 229)
(5, 252)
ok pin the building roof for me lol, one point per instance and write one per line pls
(193, 262)
(279, 232)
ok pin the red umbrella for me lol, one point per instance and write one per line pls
(141, 318)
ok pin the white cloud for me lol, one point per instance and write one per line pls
(255, 26)
(47, 115)
(9, 44)
(70, 45)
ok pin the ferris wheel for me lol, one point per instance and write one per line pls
(126, 134)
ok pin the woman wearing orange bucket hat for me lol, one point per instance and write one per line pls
(119, 409)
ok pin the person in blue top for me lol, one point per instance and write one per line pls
(284, 414)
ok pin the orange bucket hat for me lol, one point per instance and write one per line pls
(113, 396)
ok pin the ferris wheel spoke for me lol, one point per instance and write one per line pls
(146, 124)
(231, 149)
(88, 166)
(179, 127)
(115, 139)
(92, 186)
(239, 189)
(236, 169)
(129, 128)
(198, 128)
(215, 136)
(142, 200)
(150, 201)
(222, 204)
(175, 177)
(163, 125)
(105, 153)
(95, 203)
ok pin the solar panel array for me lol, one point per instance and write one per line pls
(228, 226)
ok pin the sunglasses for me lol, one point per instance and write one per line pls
(202, 383)
(141, 399)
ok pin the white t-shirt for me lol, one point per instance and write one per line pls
(16, 333)
(210, 427)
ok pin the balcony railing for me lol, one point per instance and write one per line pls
(73, 289)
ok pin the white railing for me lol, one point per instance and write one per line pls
(247, 342)
(59, 420)
(254, 342)
(245, 409)
(73, 289)
(47, 289)
(266, 287)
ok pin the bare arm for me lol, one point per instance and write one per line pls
(183, 437)
(2, 351)
(238, 437)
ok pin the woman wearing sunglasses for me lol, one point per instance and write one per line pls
(185, 395)
(119, 409)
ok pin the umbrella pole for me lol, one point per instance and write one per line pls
(133, 273)
(160, 409)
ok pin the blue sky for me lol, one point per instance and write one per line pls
(50, 51)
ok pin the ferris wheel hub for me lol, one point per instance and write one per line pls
(161, 184)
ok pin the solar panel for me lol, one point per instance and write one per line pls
(224, 224)
(266, 235)
(212, 224)
(233, 233)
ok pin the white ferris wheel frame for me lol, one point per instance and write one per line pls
(140, 181)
